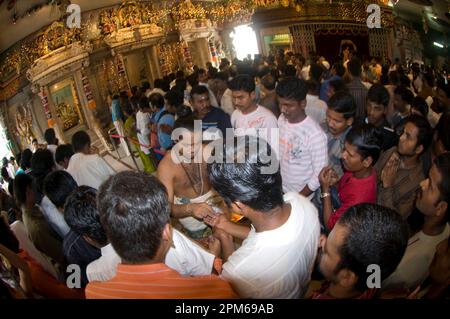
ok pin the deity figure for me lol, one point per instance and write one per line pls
(24, 122)
(107, 22)
(347, 50)
(129, 14)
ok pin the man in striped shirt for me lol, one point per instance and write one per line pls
(356, 88)
(303, 145)
(134, 210)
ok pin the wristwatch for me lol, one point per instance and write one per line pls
(324, 195)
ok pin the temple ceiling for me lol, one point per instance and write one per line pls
(42, 13)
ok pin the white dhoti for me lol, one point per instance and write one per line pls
(190, 223)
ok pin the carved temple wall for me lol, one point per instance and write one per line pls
(61, 78)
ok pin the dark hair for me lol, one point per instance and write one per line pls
(313, 87)
(21, 182)
(394, 78)
(289, 70)
(340, 69)
(49, 136)
(379, 95)
(57, 187)
(354, 66)
(156, 100)
(80, 140)
(80, 213)
(134, 209)
(367, 139)
(441, 84)
(338, 85)
(316, 71)
(34, 141)
(443, 133)
(420, 105)
(404, 93)
(187, 122)
(243, 180)
(199, 90)
(62, 152)
(42, 163)
(269, 82)
(7, 238)
(181, 84)
(25, 161)
(375, 235)
(158, 83)
(5, 173)
(200, 71)
(442, 163)
(344, 103)
(174, 98)
(192, 80)
(292, 89)
(242, 83)
(179, 74)
(425, 135)
(143, 103)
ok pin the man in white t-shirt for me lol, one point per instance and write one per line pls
(250, 118)
(85, 166)
(278, 252)
(433, 202)
(303, 144)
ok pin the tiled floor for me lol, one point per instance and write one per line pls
(120, 162)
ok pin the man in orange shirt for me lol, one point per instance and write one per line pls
(135, 212)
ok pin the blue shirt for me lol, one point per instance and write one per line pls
(78, 251)
(115, 110)
(216, 119)
(164, 139)
(324, 88)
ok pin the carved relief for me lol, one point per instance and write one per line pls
(23, 124)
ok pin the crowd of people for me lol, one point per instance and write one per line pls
(362, 178)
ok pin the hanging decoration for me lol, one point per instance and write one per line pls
(45, 103)
(213, 51)
(187, 57)
(87, 90)
(121, 72)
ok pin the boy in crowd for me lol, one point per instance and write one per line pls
(377, 107)
(359, 182)
(303, 144)
(340, 117)
(250, 118)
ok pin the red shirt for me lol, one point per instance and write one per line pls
(353, 191)
(322, 293)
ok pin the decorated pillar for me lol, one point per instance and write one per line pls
(150, 55)
(213, 51)
(124, 84)
(203, 49)
(91, 110)
(187, 56)
(51, 122)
